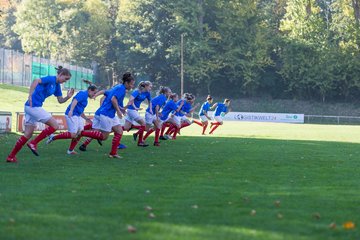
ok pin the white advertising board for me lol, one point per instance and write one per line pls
(264, 117)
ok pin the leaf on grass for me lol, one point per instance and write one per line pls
(131, 229)
(349, 225)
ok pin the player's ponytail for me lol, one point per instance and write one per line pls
(173, 96)
(62, 71)
(92, 87)
(163, 90)
(143, 84)
(127, 77)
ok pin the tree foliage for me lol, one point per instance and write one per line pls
(300, 49)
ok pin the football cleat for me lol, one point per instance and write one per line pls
(114, 156)
(135, 136)
(11, 159)
(82, 148)
(122, 146)
(143, 144)
(33, 148)
(71, 152)
(50, 139)
(162, 138)
(156, 144)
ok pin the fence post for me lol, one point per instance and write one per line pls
(338, 120)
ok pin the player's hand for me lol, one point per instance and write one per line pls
(70, 93)
(70, 114)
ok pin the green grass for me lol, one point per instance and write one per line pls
(89, 196)
(200, 187)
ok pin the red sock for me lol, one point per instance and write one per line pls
(213, 129)
(93, 134)
(198, 123)
(150, 131)
(185, 124)
(87, 141)
(175, 132)
(88, 126)
(157, 133)
(46, 132)
(204, 128)
(141, 134)
(73, 143)
(115, 143)
(64, 135)
(163, 128)
(171, 127)
(18, 145)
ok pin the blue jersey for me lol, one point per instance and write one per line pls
(82, 101)
(220, 108)
(185, 108)
(168, 108)
(204, 108)
(107, 108)
(157, 101)
(46, 88)
(139, 97)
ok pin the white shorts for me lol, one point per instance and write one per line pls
(149, 118)
(218, 118)
(161, 121)
(132, 115)
(184, 119)
(177, 120)
(203, 118)
(105, 123)
(75, 123)
(36, 114)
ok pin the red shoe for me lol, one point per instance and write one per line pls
(156, 144)
(11, 159)
(114, 156)
(33, 148)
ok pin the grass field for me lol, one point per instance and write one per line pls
(249, 181)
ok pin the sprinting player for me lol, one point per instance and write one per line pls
(181, 116)
(105, 120)
(203, 114)
(75, 117)
(40, 89)
(154, 118)
(137, 97)
(168, 118)
(221, 110)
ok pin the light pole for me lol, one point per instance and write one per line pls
(182, 65)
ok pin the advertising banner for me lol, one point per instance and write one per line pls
(5, 121)
(264, 117)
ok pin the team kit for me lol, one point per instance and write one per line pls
(165, 115)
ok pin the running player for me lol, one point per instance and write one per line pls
(75, 117)
(153, 119)
(221, 110)
(105, 120)
(40, 89)
(203, 114)
(181, 116)
(170, 120)
(137, 97)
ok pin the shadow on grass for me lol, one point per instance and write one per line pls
(198, 188)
